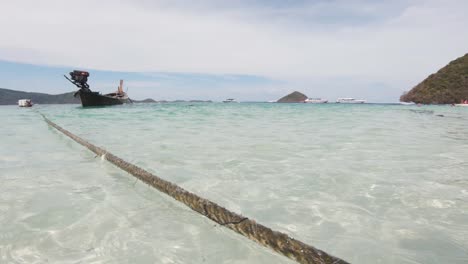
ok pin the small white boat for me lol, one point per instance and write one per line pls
(316, 101)
(461, 105)
(25, 103)
(349, 101)
(407, 103)
(230, 100)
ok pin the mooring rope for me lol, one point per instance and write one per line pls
(249, 228)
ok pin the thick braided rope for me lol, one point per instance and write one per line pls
(263, 235)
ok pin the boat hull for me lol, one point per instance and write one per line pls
(230, 101)
(351, 102)
(25, 103)
(96, 99)
(314, 101)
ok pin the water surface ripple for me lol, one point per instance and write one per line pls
(367, 183)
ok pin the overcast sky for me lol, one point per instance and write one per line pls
(251, 50)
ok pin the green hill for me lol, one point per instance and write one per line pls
(449, 85)
(11, 97)
(294, 97)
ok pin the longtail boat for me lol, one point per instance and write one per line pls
(90, 98)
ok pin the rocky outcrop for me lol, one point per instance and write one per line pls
(147, 100)
(294, 97)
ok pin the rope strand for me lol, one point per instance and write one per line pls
(279, 242)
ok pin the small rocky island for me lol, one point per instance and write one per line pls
(294, 97)
(448, 86)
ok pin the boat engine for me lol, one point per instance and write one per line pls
(80, 79)
(80, 76)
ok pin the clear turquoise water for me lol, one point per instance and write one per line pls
(367, 183)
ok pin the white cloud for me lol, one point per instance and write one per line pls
(362, 40)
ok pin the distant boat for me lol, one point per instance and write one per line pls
(349, 101)
(461, 104)
(230, 100)
(90, 98)
(407, 103)
(316, 101)
(25, 103)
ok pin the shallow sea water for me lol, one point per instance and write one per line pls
(366, 183)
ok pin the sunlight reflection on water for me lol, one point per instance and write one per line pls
(367, 183)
